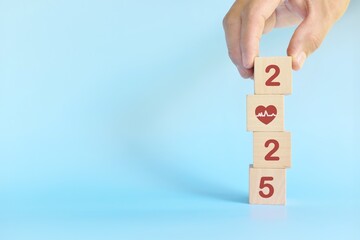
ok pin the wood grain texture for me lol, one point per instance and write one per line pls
(260, 113)
(272, 149)
(279, 68)
(267, 186)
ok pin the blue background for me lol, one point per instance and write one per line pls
(126, 120)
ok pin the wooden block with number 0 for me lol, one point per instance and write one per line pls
(267, 186)
(265, 113)
(272, 149)
(273, 75)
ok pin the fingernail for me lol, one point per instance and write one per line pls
(246, 61)
(247, 64)
(243, 74)
(301, 59)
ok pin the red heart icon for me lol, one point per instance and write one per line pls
(266, 114)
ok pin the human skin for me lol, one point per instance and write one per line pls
(247, 20)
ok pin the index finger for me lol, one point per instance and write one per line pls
(253, 23)
(232, 28)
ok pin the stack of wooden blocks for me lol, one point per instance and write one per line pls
(265, 118)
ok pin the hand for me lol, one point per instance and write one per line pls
(247, 20)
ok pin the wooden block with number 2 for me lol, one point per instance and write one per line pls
(267, 186)
(272, 75)
(272, 149)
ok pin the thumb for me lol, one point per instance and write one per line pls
(306, 39)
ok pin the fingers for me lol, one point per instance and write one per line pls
(247, 20)
(244, 24)
(253, 22)
(307, 38)
(319, 16)
(289, 15)
(232, 28)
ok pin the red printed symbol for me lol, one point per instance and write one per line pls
(263, 185)
(269, 156)
(266, 114)
(270, 81)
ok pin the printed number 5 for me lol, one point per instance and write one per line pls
(263, 185)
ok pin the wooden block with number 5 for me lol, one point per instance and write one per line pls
(267, 186)
(272, 75)
(272, 149)
(265, 113)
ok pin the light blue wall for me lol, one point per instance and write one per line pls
(126, 120)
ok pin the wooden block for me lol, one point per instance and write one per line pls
(265, 113)
(273, 75)
(272, 149)
(267, 186)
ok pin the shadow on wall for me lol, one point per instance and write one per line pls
(142, 112)
(182, 180)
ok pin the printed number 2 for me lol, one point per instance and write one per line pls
(270, 82)
(269, 156)
(263, 185)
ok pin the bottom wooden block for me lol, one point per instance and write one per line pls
(267, 186)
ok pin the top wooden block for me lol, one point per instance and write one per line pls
(272, 75)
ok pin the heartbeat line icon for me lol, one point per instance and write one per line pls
(265, 114)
